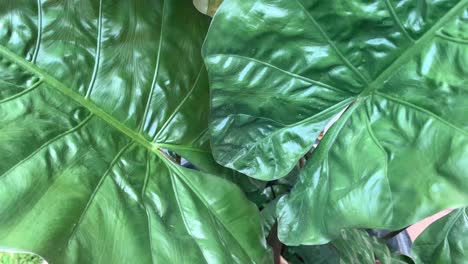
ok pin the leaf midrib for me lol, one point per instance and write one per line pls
(89, 105)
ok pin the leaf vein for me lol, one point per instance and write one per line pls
(384, 152)
(416, 47)
(39, 32)
(95, 191)
(294, 75)
(78, 98)
(143, 193)
(48, 143)
(98, 54)
(181, 103)
(213, 212)
(397, 20)
(452, 39)
(25, 91)
(332, 45)
(156, 70)
(318, 115)
(424, 111)
(182, 214)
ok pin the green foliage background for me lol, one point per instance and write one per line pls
(19, 258)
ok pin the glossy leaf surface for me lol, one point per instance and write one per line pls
(396, 156)
(90, 92)
(444, 241)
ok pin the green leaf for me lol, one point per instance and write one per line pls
(268, 215)
(352, 246)
(398, 153)
(19, 258)
(321, 254)
(91, 92)
(444, 241)
(207, 7)
(357, 246)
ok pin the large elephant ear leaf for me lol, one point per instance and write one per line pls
(397, 154)
(444, 241)
(91, 93)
